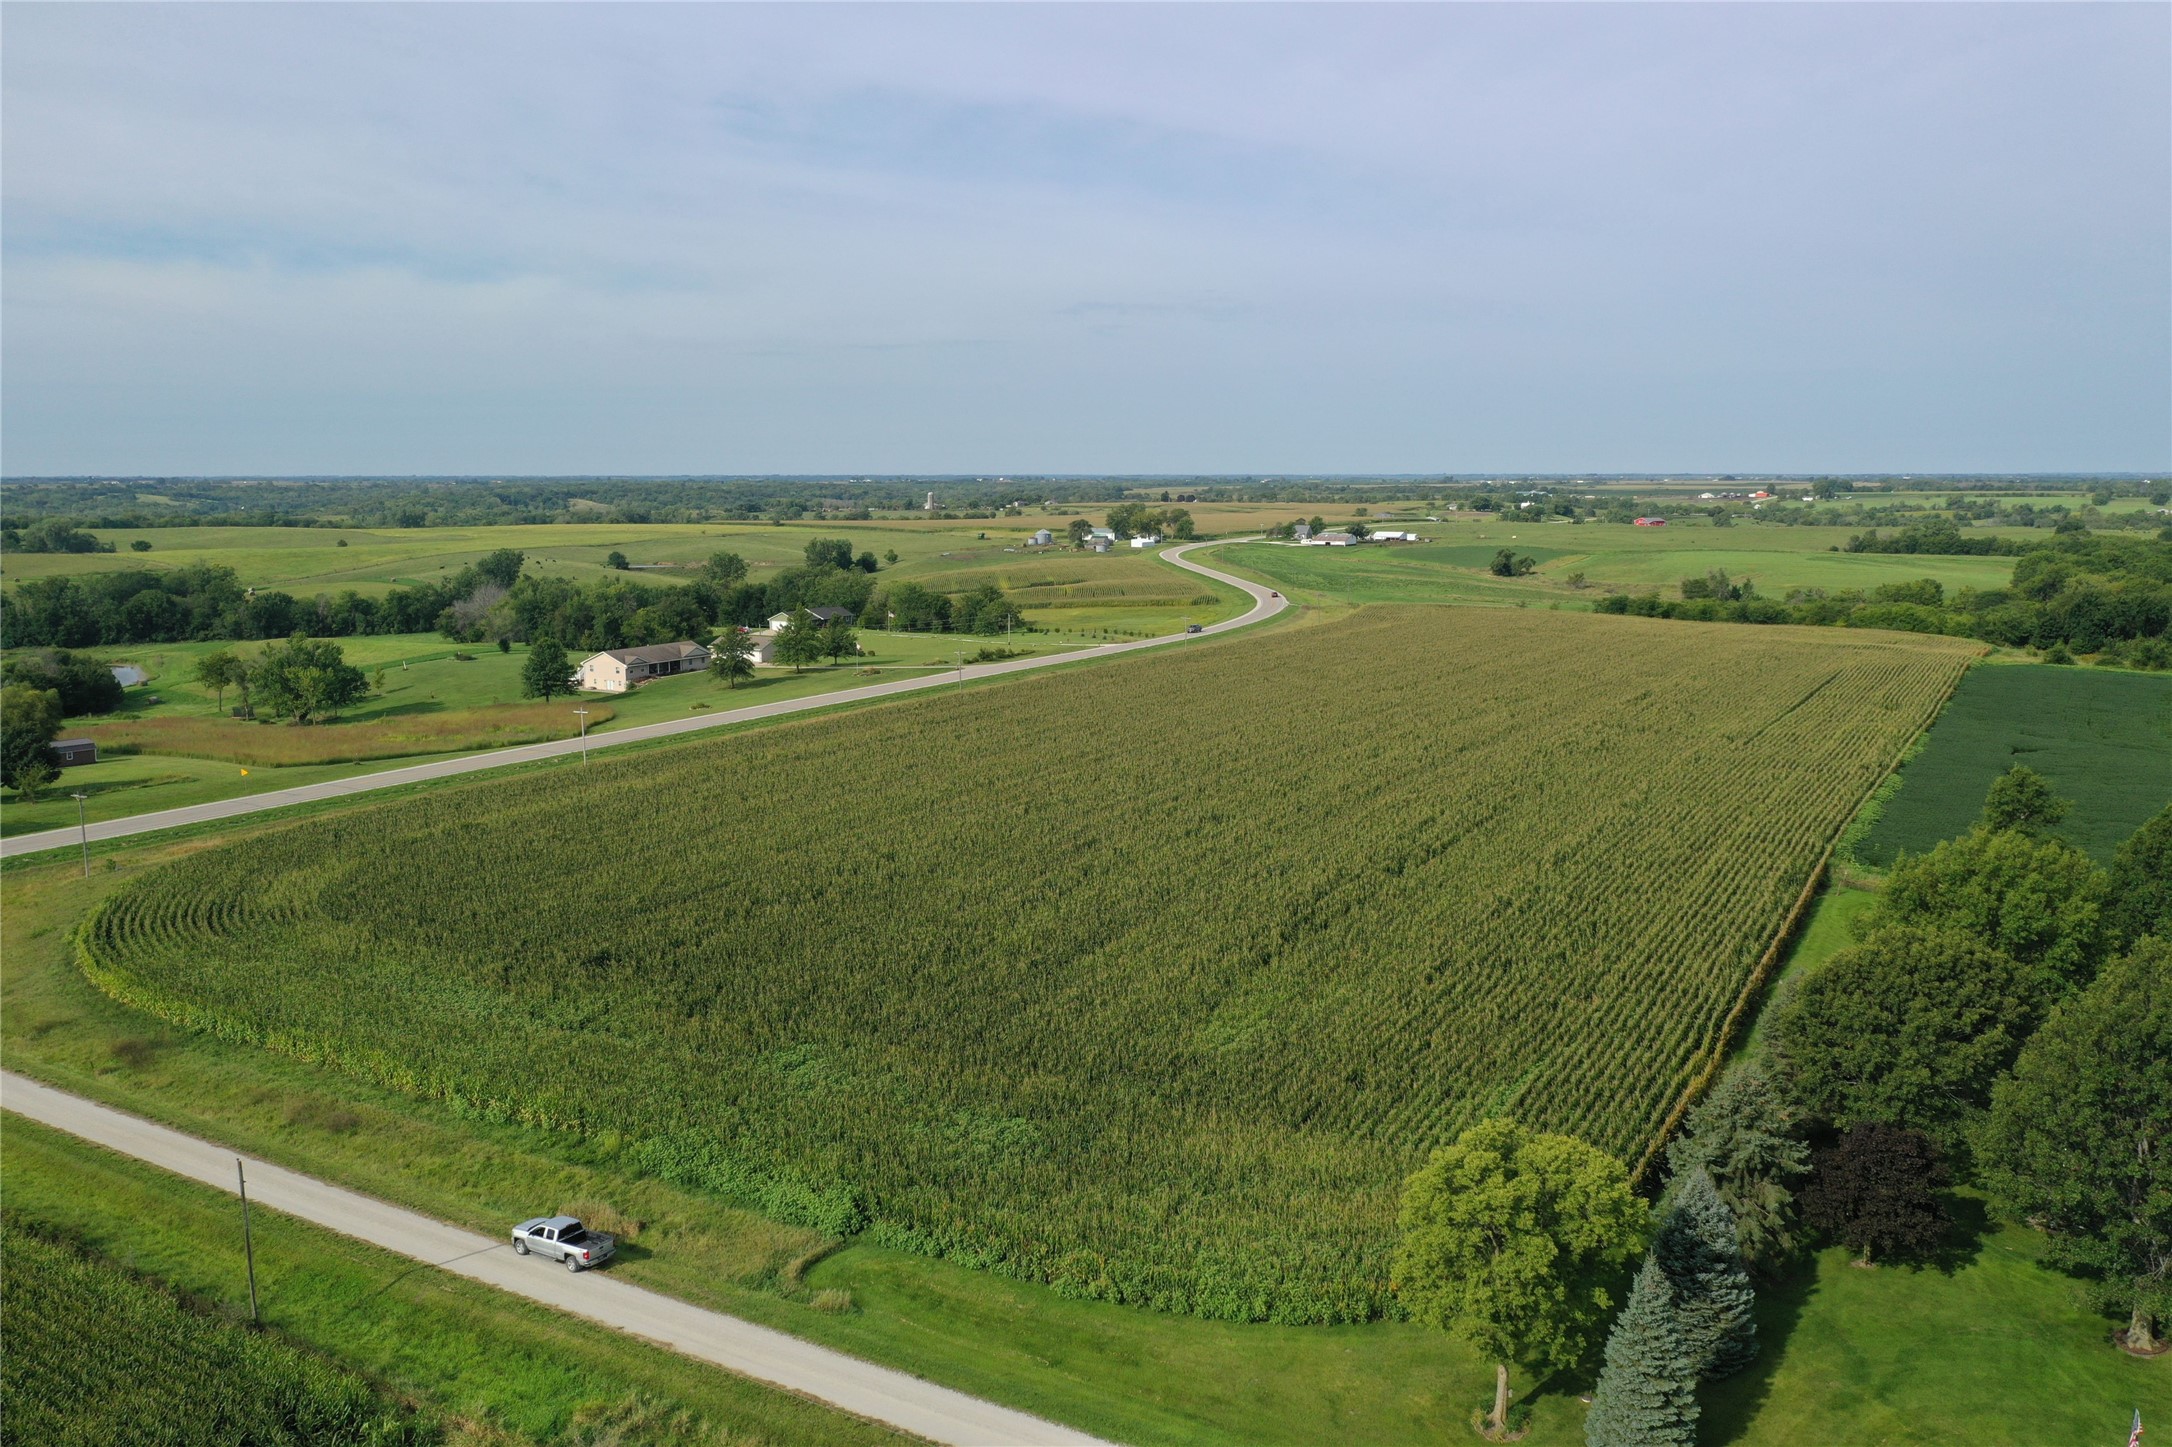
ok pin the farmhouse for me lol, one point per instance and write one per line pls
(623, 669)
(821, 616)
(1651, 522)
(1301, 531)
(74, 751)
(1104, 534)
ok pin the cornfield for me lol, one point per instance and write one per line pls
(1150, 982)
(97, 1356)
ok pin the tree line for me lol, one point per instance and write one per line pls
(2003, 1020)
(2082, 593)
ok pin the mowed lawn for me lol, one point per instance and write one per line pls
(2103, 737)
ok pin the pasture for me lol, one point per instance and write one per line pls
(2103, 738)
(1118, 980)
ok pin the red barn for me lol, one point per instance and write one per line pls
(1651, 522)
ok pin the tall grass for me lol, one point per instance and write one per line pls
(273, 745)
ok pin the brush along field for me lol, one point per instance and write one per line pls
(1149, 982)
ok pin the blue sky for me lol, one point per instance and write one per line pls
(748, 238)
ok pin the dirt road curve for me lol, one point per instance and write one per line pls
(1264, 605)
(854, 1386)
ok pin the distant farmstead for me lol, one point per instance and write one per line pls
(623, 669)
(1651, 522)
(821, 616)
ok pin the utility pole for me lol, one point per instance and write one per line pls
(83, 829)
(584, 733)
(247, 1245)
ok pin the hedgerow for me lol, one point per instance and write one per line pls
(1150, 982)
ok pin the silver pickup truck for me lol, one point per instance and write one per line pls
(564, 1239)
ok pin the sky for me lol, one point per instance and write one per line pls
(566, 239)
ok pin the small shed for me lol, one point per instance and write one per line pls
(74, 751)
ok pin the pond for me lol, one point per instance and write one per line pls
(128, 674)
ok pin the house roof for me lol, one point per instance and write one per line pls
(654, 653)
(75, 743)
(820, 615)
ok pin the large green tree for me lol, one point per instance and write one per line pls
(799, 641)
(29, 720)
(547, 671)
(731, 656)
(306, 678)
(2039, 900)
(1910, 1027)
(2021, 799)
(1714, 1301)
(2080, 1136)
(838, 638)
(220, 670)
(2140, 887)
(1647, 1392)
(1519, 1242)
(1741, 1135)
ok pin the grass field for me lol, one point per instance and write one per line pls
(1450, 567)
(1017, 1017)
(2102, 737)
(472, 1355)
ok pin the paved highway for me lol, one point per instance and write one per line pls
(847, 1383)
(1265, 604)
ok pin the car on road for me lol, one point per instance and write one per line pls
(1272, 593)
(1193, 628)
(562, 1238)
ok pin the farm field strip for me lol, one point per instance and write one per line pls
(1148, 983)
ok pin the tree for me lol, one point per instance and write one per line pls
(866, 563)
(726, 570)
(838, 639)
(1713, 1299)
(1740, 1136)
(829, 553)
(2039, 900)
(1518, 1241)
(1909, 1028)
(501, 566)
(2080, 1136)
(1876, 1192)
(2021, 799)
(219, 671)
(85, 685)
(29, 721)
(1079, 531)
(547, 672)
(731, 656)
(799, 641)
(1647, 1392)
(306, 677)
(616, 559)
(2139, 888)
(890, 557)
(1506, 564)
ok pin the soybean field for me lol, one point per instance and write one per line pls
(1148, 981)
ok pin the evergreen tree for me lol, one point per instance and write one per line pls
(1696, 1247)
(1647, 1393)
(1740, 1134)
(547, 671)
